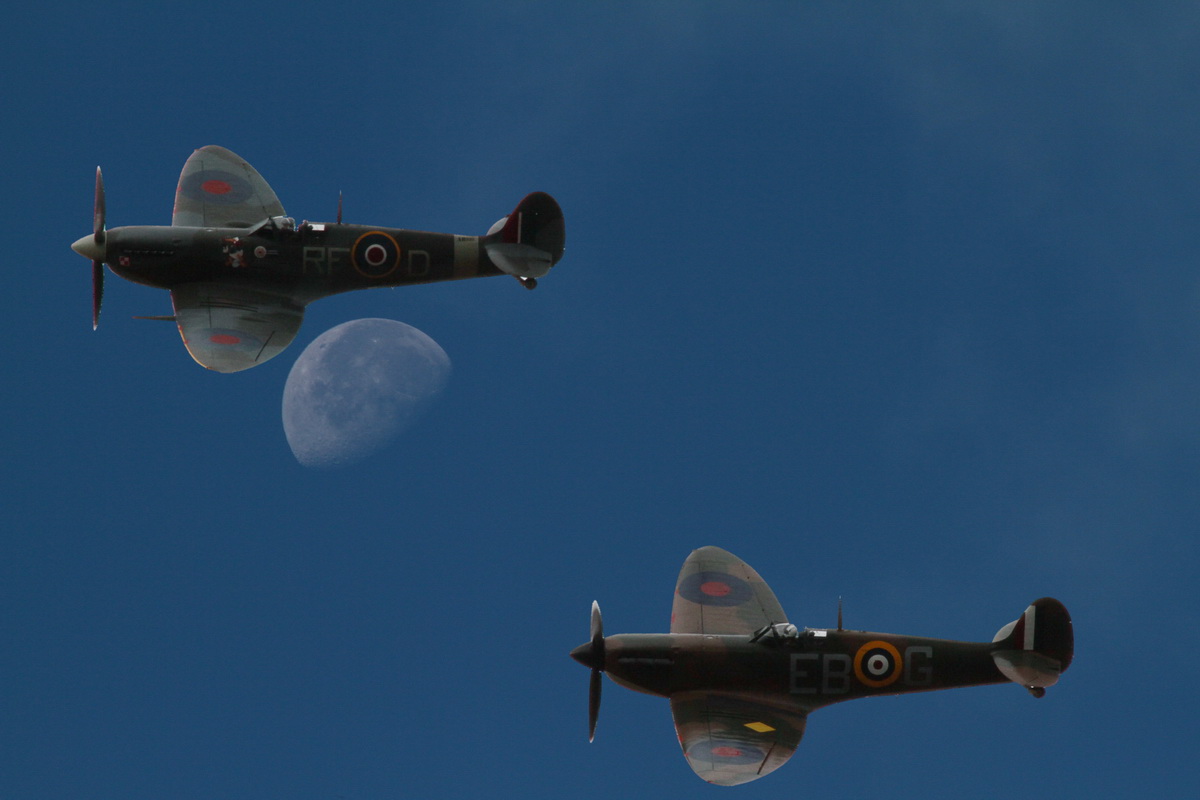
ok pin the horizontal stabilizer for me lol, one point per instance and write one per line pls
(521, 260)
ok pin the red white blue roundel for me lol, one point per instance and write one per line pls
(726, 751)
(216, 186)
(715, 589)
(375, 255)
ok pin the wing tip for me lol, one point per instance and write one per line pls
(712, 551)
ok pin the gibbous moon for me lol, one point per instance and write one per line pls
(356, 387)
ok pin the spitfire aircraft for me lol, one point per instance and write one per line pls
(742, 680)
(240, 271)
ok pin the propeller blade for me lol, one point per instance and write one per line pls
(593, 704)
(98, 209)
(97, 291)
(597, 628)
(596, 657)
(98, 238)
(591, 655)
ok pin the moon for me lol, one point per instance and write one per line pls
(356, 387)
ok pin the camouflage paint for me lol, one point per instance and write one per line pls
(741, 690)
(240, 272)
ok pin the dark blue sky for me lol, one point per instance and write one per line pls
(897, 305)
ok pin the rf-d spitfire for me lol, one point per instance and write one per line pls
(240, 271)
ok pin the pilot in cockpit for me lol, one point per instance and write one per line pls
(776, 633)
(275, 226)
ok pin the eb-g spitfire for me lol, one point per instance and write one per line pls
(742, 680)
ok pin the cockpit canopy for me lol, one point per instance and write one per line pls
(776, 632)
(272, 226)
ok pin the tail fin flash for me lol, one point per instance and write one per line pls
(530, 240)
(1037, 647)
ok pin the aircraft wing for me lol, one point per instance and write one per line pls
(218, 189)
(231, 328)
(729, 740)
(718, 593)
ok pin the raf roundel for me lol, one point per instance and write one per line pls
(234, 340)
(725, 751)
(216, 186)
(877, 664)
(715, 589)
(375, 255)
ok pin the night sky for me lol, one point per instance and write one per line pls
(897, 302)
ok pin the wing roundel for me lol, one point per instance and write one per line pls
(232, 328)
(728, 739)
(218, 189)
(718, 593)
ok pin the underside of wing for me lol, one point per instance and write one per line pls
(218, 189)
(228, 329)
(729, 740)
(718, 593)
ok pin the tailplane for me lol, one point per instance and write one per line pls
(1037, 647)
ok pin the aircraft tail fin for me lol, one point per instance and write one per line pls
(530, 240)
(1037, 647)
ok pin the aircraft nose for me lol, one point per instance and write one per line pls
(585, 655)
(86, 246)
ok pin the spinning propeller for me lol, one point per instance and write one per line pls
(93, 247)
(98, 238)
(592, 655)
